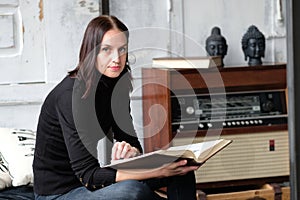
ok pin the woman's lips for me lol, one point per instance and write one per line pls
(115, 68)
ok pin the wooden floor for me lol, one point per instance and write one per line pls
(265, 192)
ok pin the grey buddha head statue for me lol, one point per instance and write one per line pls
(253, 45)
(215, 44)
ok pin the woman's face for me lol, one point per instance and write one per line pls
(111, 58)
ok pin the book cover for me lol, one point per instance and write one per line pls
(196, 154)
(188, 62)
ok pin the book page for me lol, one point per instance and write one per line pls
(197, 148)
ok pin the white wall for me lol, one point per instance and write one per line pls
(52, 33)
(157, 28)
(234, 17)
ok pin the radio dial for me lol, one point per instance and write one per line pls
(268, 106)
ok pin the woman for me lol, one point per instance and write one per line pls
(91, 102)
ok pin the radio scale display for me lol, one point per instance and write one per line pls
(228, 110)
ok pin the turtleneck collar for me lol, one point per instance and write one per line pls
(106, 81)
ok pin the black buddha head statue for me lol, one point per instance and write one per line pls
(253, 45)
(216, 44)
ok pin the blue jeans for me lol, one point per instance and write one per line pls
(23, 192)
(178, 188)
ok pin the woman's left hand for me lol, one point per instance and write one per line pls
(122, 150)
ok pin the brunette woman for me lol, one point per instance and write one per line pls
(90, 103)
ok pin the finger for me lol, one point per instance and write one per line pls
(185, 170)
(120, 149)
(180, 163)
(132, 153)
(179, 168)
(172, 166)
(126, 151)
(117, 149)
(114, 151)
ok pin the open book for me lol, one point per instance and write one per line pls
(196, 154)
(203, 62)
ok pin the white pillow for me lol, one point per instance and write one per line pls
(5, 180)
(17, 148)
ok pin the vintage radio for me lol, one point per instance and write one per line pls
(245, 104)
(238, 109)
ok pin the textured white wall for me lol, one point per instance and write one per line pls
(65, 24)
(234, 17)
(52, 34)
(22, 25)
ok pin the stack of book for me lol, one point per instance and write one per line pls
(188, 62)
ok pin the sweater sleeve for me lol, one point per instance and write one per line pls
(82, 155)
(123, 125)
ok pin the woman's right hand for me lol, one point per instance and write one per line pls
(175, 168)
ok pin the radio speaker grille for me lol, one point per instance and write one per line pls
(251, 155)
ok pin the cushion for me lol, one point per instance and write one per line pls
(5, 178)
(17, 149)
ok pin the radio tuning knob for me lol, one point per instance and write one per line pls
(181, 127)
(190, 110)
(267, 106)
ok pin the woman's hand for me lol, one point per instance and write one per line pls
(122, 150)
(175, 169)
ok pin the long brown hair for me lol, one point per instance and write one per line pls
(86, 68)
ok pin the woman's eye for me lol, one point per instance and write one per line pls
(122, 49)
(105, 49)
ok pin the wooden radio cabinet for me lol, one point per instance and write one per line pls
(245, 104)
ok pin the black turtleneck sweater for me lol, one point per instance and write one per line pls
(68, 130)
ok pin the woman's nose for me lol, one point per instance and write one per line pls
(116, 57)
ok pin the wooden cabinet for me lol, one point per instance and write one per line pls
(252, 141)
